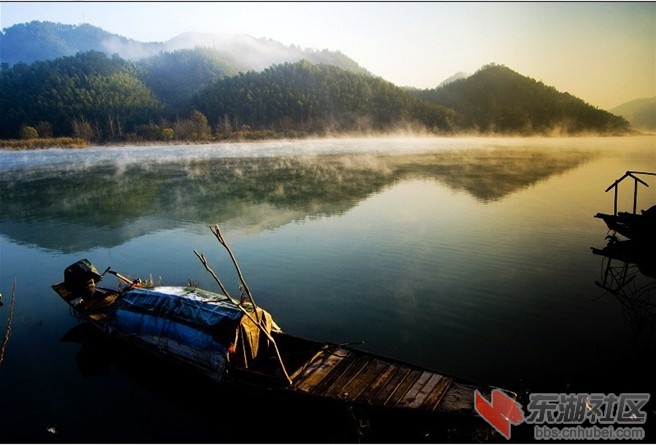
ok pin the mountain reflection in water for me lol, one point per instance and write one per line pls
(69, 208)
(470, 256)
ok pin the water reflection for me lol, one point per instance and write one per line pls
(200, 411)
(629, 273)
(189, 407)
(77, 208)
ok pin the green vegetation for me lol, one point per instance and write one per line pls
(88, 96)
(199, 95)
(498, 100)
(29, 133)
(175, 77)
(37, 143)
(315, 99)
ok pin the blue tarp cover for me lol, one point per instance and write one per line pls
(191, 316)
(193, 323)
(195, 306)
(147, 326)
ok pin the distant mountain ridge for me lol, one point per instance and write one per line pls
(640, 112)
(40, 41)
(457, 76)
(497, 99)
(230, 87)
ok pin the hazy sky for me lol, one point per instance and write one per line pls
(602, 52)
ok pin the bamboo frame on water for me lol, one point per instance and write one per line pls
(629, 174)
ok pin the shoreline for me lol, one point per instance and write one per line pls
(80, 144)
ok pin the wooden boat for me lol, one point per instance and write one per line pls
(236, 342)
(632, 225)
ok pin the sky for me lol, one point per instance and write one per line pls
(601, 52)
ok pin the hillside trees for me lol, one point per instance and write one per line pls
(498, 100)
(104, 92)
(194, 128)
(189, 95)
(316, 99)
(174, 77)
(29, 133)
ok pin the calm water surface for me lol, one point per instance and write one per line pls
(469, 256)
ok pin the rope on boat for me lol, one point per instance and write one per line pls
(10, 318)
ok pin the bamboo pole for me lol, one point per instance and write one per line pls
(203, 260)
(635, 195)
(643, 173)
(629, 174)
(10, 318)
(217, 233)
(258, 321)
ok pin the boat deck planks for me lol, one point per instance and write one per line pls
(320, 365)
(358, 376)
(459, 398)
(436, 393)
(396, 397)
(338, 387)
(415, 392)
(358, 385)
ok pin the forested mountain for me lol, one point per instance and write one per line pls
(316, 99)
(640, 112)
(208, 93)
(175, 77)
(88, 95)
(499, 100)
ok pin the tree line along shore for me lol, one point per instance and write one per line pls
(90, 98)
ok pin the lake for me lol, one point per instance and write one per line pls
(471, 256)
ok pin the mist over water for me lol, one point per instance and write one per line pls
(15, 160)
(470, 256)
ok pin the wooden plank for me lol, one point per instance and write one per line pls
(413, 392)
(361, 382)
(390, 386)
(403, 387)
(338, 388)
(458, 398)
(318, 368)
(435, 397)
(378, 382)
(333, 375)
(425, 391)
(304, 371)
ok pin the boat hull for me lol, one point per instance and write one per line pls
(157, 321)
